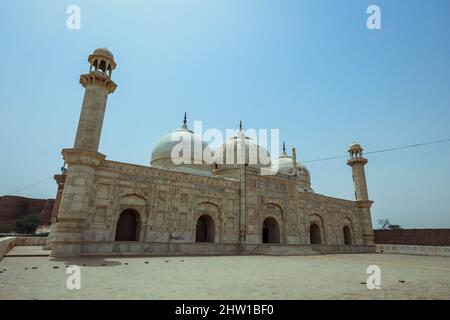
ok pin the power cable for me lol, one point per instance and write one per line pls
(383, 150)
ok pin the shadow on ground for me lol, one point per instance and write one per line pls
(109, 261)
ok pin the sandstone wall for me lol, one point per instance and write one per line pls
(170, 203)
(331, 215)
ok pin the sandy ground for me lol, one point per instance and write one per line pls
(227, 277)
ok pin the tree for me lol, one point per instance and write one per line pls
(386, 225)
(27, 223)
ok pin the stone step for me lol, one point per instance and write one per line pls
(28, 251)
(280, 250)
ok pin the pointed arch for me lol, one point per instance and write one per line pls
(347, 231)
(128, 226)
(272, 222)
(316, 229)
(207, 222)
(271, 231)
(205, 229)
(314, 234)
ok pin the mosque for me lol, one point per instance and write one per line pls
(104, 207)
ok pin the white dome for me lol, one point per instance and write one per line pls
(355, 147)
(285, 165)
(103, 52)
(171, 144)
(255, 154)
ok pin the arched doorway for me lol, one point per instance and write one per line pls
(314, 234)
(271, 231)
(347, 236)
(127, 226)
(204, 231)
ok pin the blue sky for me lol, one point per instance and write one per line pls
(310, 68)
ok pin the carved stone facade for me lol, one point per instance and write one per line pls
(108, 207)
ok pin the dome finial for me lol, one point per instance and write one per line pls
(284, 149)
(184, 126)
(240, 125)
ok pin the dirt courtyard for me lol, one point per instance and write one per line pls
(227, 277)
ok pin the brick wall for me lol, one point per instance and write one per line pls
(424, 237)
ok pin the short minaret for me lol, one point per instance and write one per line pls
(294, 157)
(98, 85)
(357, 162)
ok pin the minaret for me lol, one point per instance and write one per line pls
(60, 179)
(84, 159)
(98, 85)
(240, 149)
(357, 162)
(294, 157)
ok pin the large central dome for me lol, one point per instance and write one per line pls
(241, 149)
(170, 144)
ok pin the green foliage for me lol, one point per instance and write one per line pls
(386, 225)
(27, 223)
(5, 228)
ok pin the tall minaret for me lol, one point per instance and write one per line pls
(98, 85)
(84, 159)
(243, 165)
(357, 162)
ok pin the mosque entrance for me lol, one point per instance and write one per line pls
(127, 226)
(205, 229)
(347, 236)
(314, 234)
(271, 231)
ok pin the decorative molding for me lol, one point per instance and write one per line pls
(83, 157)
(98, 78)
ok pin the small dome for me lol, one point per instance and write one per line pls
(103, 52)
(254, 154)
(354, 147)
(171, 142)
(285, 165)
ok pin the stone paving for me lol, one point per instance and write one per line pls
(227, 277)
